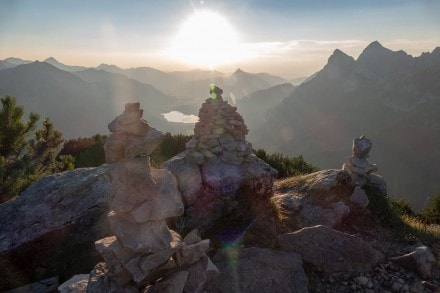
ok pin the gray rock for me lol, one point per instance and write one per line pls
(359, 197)
(325, 180)
(119, 146)
(65, 210)
(361, 147)
(330, 250)
(144, 237)
(100, 281)
(166, 201)
(258, 270)
(192, 237)
(115, 256)
(42, 286)
(76, 284)
(224, 179)
(171, 284)
(421, 260)
(377, 182)
(200, 273)
(188, 177)
(301, 211)
(189, 254)
(133, 185)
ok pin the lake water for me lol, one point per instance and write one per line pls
(179, 117)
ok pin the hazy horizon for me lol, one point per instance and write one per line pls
(287, 38)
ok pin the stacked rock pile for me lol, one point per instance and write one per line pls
(218, 175)
(144, 253)
(219, 136)
(357, 164)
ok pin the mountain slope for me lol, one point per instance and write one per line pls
(77, 107)
(59, 65)
(389, 96)
(254, 106)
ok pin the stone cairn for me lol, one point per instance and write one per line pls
(219, 136)
(219, 176)
(144, 254)
(362, 171)
(357, 164)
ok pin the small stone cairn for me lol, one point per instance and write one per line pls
(357, 164)
(144, 254)
(219, 136)
(362, 171)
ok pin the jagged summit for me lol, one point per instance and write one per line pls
(339, 57)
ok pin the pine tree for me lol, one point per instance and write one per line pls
(14, 135)
(25, 154)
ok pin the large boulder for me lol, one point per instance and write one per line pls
(53, 222)
(258, 270)
(420, 259)
(323, 199)
(331, 251)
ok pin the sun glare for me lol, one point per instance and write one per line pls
(206, 39)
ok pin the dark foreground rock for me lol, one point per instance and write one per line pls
(258, 270)
(330, 251)
(51, 228)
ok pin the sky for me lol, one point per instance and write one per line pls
(289, 38)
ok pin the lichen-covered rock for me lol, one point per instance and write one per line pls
(331, 251)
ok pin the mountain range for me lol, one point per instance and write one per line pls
(82, 101)
(389, 96)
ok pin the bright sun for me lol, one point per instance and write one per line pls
(206, 39)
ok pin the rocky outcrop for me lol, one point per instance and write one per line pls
(54, 221)
(258, 270)
(76, 284)
(420, 260)
(331, 251)
(321, 198)
(218, 168)
(144, 252)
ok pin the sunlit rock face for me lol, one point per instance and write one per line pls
(142, 249)
(218, 174)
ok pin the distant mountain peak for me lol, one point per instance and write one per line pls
(239, 71)
(375, 44)
(375, 49)
(340, 59)
(51, 59)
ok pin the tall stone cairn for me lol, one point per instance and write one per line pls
(144, 254)
(219, 136)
